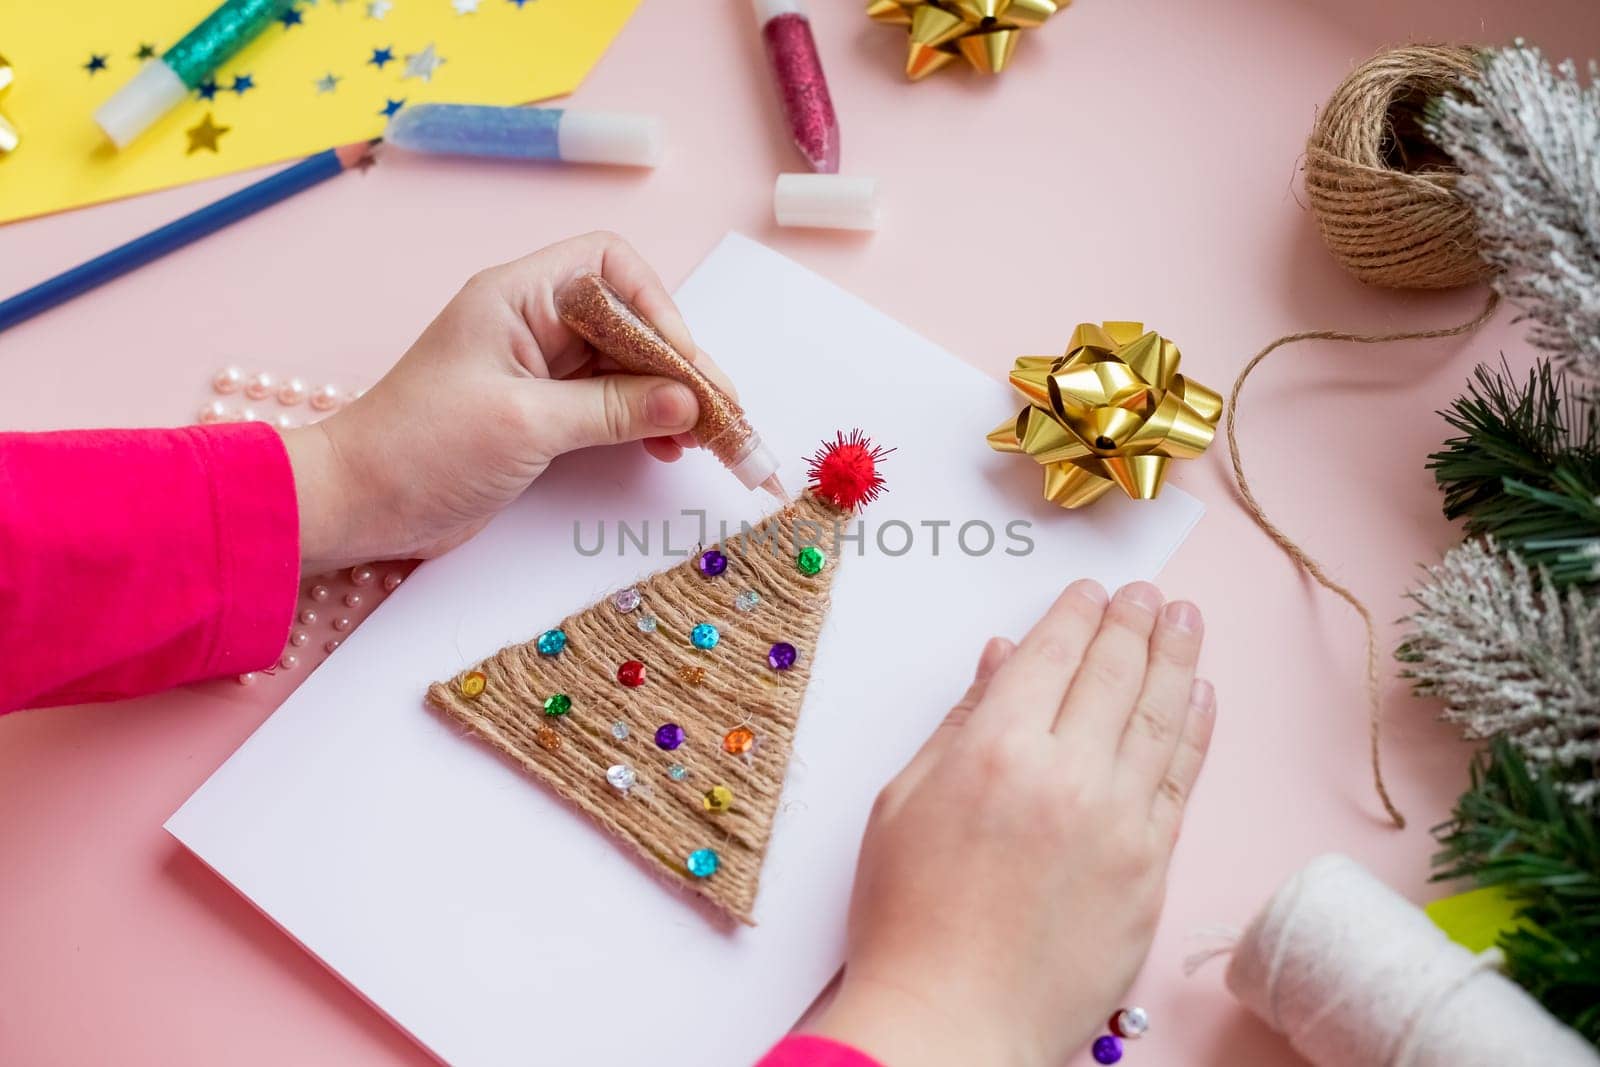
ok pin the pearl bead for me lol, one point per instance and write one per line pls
(248, 415)
(319, 592)
(216, 411)
(352, 600)
(259, 387)
(326, 398)
(291, 392)
(289, 661)
(299, 638)
(392, 580)
(330, 644)
(283, 422)
(362, 575)
(342, 623)
(228, 380)
(1130, 1023)
(308, 617)
(247, 678)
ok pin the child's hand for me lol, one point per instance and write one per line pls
(494, 389)
(1011, 876)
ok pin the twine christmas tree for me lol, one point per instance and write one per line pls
(667, 711)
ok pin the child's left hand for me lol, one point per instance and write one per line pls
(494, 389)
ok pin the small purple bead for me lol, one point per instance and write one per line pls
(712, 563)
(1107, 1049)
(669, 736)
(781, 656)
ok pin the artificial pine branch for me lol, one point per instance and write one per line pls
(1516, 830)
(1527, 140)
(1512, 656)
(1525, 467)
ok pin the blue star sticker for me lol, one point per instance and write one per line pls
(95, 64)
(380, 56)
(291, 17)
(242, 83)
(207, 90)
(390, 107)
(519, 3)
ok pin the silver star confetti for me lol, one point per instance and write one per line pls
(422, 64)
(327, 83)
(378, 8)
(465, 7)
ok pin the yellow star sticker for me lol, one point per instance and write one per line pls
(8, 132)
(205, 135)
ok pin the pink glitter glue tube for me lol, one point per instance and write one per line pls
(797, 69)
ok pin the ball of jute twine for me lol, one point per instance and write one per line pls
(1382, 193)
(1384, 198)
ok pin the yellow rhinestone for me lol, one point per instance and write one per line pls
(718, 799)
(472, 684)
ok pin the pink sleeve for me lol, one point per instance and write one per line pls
(809, 1050)
(134, 560)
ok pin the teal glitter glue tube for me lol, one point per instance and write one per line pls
(528, 133)
(162, 83)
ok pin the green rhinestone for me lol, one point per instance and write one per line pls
(810, 560)
(557, 704)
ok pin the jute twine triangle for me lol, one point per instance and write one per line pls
(707, 692)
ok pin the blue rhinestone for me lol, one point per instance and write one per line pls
(551, 642)
(702, 863)
(704, 636)
(677, 772)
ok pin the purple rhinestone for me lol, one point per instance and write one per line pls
(1107, 1049)
(712, 563)
(781, 656)
(669, 736)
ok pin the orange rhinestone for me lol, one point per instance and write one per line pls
(472, 684)
(691, 675)
(738, 741)
(549, 738)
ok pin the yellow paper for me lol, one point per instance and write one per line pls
(493, 51)
(1475, 919)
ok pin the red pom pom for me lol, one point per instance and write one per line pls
(844, 472)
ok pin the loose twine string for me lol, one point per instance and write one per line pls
(1384, 198)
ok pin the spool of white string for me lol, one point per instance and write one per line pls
(1356, 976)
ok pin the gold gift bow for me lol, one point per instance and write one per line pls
(1111, 412)
(8, 133)
(984, 31)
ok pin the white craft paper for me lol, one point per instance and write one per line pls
(497, 925)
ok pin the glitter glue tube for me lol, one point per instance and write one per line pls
(528, 133)
(797, 71)
(162, 83)
(598, 313)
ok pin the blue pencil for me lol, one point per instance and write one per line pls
(141, 250)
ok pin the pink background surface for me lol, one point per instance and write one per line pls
(1139, 161)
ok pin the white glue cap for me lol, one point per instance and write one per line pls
(610, 137)
(153, 92)
(827, 201)
(767, 10)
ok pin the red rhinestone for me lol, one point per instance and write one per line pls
(631, 673)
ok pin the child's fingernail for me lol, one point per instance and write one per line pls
(1182, 616)
(1143, 594)
(1202, 696)
(670, 406)
(1093, 590)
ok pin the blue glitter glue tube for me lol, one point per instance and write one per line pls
(528, 133)
(162, 84)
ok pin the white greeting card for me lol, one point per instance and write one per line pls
(497, 925)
